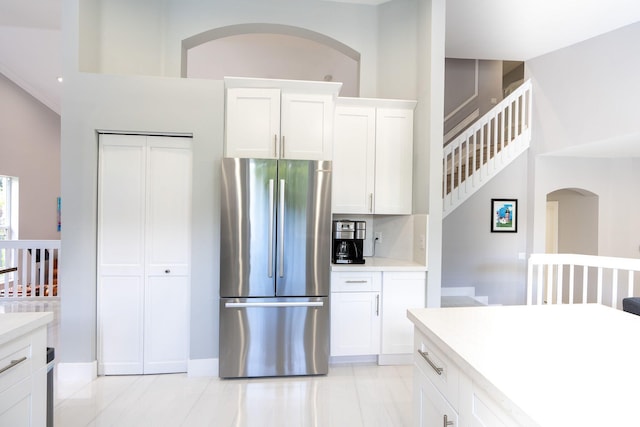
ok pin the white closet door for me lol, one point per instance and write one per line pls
(144, 254)
(121, 270)
(166, 333)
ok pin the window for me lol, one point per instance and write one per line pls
(8, 208)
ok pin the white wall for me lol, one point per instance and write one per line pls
(171, 104)
(474, 256)
(30, 150)
(586, 94)
(144, 37)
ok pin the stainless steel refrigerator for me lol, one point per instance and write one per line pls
(275, 249)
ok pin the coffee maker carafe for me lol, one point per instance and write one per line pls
(348, 238)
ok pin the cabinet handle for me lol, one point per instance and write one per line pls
(446, 421)
(425, 356)
(355, 281)
(167, 271)
(282, 148)
(275, 145)
(13, 363)
(378, 305)
(370, 202)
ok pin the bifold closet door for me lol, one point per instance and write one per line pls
(144, 201)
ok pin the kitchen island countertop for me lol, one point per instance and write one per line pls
(380, 264)
(13, 325)
(548, 365)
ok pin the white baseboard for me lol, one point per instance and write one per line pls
(395, 359)
(202, 367)
(77, 372)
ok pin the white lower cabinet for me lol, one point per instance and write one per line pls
(369, 314)
(444, 396)
(23, 380)
(430, 407)
(400, 291)
(355, 314)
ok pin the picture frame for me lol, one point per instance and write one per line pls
(504, 215)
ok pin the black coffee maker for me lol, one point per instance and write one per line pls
(348, 238)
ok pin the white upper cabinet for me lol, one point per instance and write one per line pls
(279, 119)
(253, 123)
(394, 161)
(354, 159)
(373, 156)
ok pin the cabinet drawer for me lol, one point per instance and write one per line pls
(356, 282)
(438, 368)
(15, 362)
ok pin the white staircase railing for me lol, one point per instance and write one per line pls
(486, 147)
(574, 278)
(29, 268)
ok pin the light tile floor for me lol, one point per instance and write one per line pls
(351, 395)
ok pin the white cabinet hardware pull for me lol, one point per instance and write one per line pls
(13, 363)
(447, 422)
(275, 145)
(356, 281)
(167, 271)
(370, 202)
(425, 356)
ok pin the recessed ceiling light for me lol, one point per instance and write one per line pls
(59, 79)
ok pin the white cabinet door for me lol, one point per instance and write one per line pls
(253, 123)
(144, 213)
(394, 161)
(429, 405)
(400, 291)
(355, 323)
(269, 123)
(306, 126)
(354, 159)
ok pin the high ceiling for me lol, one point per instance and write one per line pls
(30, 37)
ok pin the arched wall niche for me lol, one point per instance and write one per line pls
(577, 220)
(271, 51)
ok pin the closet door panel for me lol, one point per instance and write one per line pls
(121, 270)
(121, 325)
(166, 339)
(168, 249)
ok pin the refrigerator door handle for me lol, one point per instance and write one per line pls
(281, 231)
(270, 243)
(273, 304)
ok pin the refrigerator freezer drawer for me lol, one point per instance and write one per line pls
(265, 337)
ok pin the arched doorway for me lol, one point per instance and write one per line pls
(271, 51)
(572, 221)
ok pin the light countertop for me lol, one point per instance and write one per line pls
(13, 325)
(380, 264)
(549, 365)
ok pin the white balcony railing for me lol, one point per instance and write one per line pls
(574, 278)
(486, 147)
(30, 268)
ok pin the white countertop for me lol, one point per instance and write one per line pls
(380, 264)
(13, 325)
(549, 365)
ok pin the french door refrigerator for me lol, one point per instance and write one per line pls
(275, 251)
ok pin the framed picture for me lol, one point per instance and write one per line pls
(504, 215)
